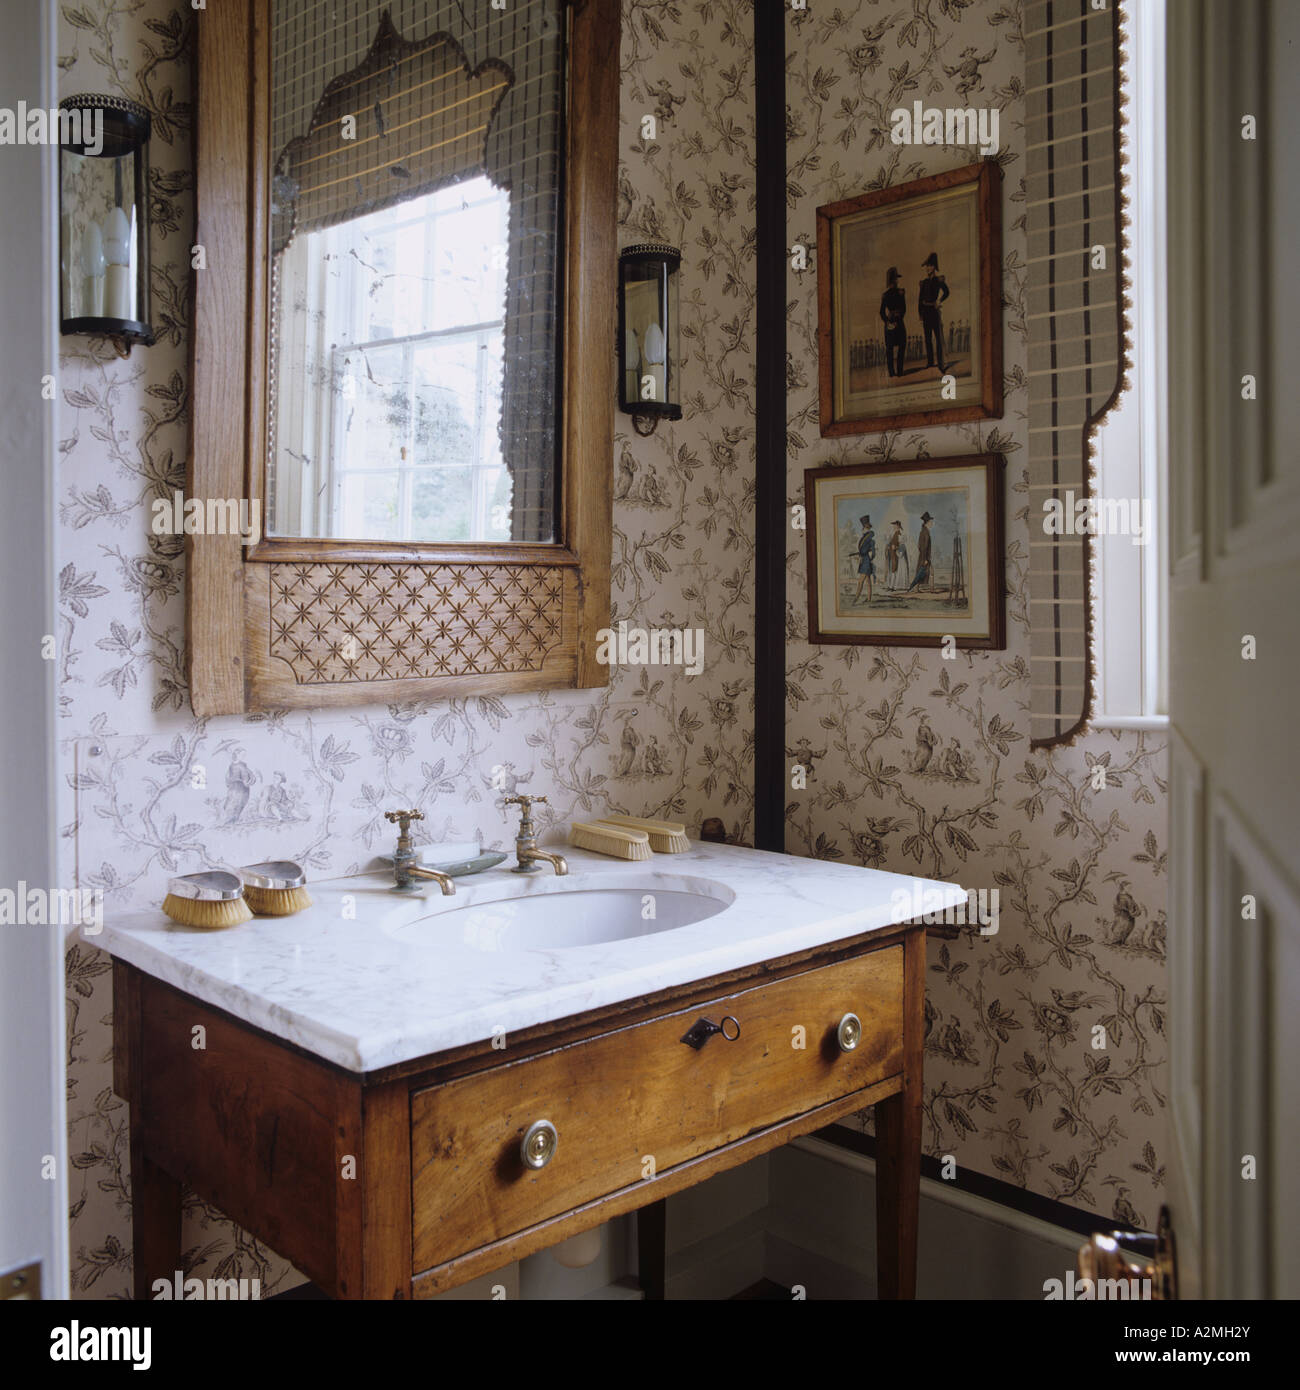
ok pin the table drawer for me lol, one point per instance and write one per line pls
(638, 1101)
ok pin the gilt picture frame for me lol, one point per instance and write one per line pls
(909, 304)
(907, 554)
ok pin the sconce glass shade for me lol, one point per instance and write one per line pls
(647, 331)
(104, 218)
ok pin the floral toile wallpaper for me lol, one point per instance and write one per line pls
(148, 790)
(923, 764)
(1013, 1086)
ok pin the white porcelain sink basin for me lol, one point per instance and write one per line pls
(553, 916)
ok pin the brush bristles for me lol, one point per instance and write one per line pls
(666, 836)
(668, 842)
(276, 902)
(193, 912)
(611, 840)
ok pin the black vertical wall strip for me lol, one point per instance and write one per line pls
(770, 427)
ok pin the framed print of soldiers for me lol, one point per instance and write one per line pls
(934, 290)
(866, 553)
(893, 308)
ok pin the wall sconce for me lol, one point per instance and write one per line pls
(647, 335)
(104, 219)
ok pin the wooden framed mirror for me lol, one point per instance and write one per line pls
(403, 363)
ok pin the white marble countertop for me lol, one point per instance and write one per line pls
(394, 983)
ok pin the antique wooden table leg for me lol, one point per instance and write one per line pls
(898, 1142)
(155, 1224)
(651, 1249)
(155, 1195)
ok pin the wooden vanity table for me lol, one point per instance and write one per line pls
(407, 1181)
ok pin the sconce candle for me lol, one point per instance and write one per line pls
(104, 221)
(647, 313)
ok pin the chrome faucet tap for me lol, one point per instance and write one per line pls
(530, 858)
(405, 867)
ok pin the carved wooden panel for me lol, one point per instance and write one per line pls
(325, 630)
(339, 622)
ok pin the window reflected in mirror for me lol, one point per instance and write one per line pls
(415, 246)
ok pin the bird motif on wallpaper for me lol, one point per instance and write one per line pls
(956, 1043)
(869, 842)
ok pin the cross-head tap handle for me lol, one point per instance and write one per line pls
(403, 819)
(526, 819)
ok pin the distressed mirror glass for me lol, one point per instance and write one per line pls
(415, 252)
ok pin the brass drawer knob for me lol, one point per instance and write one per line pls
(849, 1033)
(538, 1147)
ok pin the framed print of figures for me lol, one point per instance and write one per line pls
(906, 554)
(909, 304)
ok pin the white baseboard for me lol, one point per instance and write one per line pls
(821, 1233)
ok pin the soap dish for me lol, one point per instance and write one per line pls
(460, 868)
(463, 867)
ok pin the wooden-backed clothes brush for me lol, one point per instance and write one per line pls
(666, 836)
(619, 841)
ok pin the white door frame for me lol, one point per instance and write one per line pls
(33, 1125)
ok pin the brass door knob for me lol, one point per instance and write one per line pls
(849, 1032)
(539, 1144)
(1150, 1275)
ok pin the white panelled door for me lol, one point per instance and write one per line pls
(1234, 458)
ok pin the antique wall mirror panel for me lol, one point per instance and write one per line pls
(402, 349)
